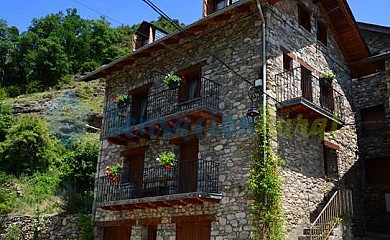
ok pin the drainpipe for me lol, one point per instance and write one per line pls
(264, 69)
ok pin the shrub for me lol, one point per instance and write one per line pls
(75, 201)
(78, 179)
(28, 148)
(86, 227)
(8, 200)
(6, 119)
(3, 94)
(34, 87)
(40, 187)
(14, 91)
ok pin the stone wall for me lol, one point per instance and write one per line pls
(45, 227)
(306, 188)
(374, 144)
(236, 42)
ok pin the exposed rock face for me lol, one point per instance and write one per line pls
(32, 106)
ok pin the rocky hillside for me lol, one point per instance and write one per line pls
(69, 111)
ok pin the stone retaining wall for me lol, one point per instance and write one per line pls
(46, 228)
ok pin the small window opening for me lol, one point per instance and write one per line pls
(304, 17)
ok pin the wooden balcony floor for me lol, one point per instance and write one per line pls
(187, 119)
(310, 111)
(182, 199)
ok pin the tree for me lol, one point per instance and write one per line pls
(28, 147)
(6, 119)
(79, 177)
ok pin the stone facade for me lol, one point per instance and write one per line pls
(237, 41)
(46, 227)
(306, 188)
(368, 92)
(374, 145)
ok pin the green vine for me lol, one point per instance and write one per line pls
(265, 184)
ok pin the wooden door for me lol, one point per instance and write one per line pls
(193, 231)
(136, 170)
(306, 84)
(117, 233)
(188, 166)
(326, 95)
(152, 232)
(139, 106)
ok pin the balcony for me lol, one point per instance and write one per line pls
(165, 111)
(188, 182)
(299, 92)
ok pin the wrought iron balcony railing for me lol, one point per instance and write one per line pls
(199, 176)
(299, 83)
(161, 106)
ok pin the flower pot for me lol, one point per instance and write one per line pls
(326, 81)
(167, 167)
(122, 104)
(173, 86)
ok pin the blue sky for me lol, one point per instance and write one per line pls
(20, 12)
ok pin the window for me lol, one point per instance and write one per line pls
(330, 160)
(304, 17)
(211, 6)
(377, 171)
(322, 32)
(190, 87)
(219, 4)
(139, 105)
(287, 62)
(373, 117)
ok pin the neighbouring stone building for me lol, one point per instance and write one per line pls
(239, 47)
(372, 107)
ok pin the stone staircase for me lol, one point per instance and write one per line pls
(323, 227)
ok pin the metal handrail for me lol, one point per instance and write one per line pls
(295, 83)
(158, 181)
(161, 104)
(339, 205)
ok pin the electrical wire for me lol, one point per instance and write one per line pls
(200, 45)
(98, 12)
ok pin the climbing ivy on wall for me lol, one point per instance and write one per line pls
(265, 183)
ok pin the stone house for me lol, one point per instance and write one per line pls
(372, 107)
(238, 50)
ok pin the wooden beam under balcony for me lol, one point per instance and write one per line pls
(158, 127)
(183, 199)
(310, 112)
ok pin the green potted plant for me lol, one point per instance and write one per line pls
(113, 172)
(166, 159)
(172, 81)
(121, 100)
(328, 77)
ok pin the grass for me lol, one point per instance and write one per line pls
(38, 192)
(89, 92)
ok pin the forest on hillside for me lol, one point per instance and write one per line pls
(57, 47)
